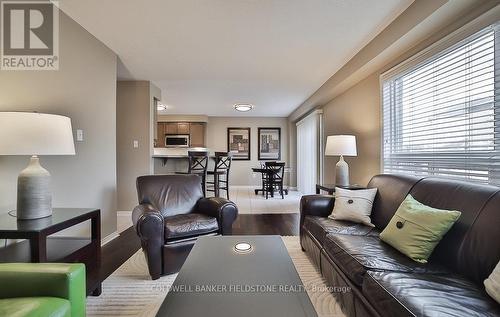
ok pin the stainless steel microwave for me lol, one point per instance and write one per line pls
(177, 140)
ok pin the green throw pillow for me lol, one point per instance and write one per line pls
(416, 229)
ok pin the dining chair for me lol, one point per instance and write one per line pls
(274, 179)
(220, 174)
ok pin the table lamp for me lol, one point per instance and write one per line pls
(340, 145)
(28, 133)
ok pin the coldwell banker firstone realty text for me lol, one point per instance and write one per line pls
(30, 35)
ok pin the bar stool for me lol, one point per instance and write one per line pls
(220, 174)
(198, 163)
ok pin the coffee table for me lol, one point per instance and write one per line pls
(216, 280)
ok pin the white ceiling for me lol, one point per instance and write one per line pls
(207, 55)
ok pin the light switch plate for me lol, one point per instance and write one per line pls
(136, 144)
(79, 135)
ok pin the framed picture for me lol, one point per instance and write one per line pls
(269, 144)
(238, 142)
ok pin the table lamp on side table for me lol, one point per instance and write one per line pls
(28, 133)
(340, 145)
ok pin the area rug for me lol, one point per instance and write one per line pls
(129, 291)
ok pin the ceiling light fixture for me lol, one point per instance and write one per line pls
(161, 107)
(243, 107)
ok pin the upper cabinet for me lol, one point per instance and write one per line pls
(183, 128)
(196, 131)
(171, 127)
(197, 134)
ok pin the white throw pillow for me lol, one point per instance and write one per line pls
(354, 205)
(492, 284)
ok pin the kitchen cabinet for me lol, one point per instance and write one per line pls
(183, 128)
(196, 131)
(160, 134)
(197, 134)
(171, 128)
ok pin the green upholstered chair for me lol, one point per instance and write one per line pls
(42, 289)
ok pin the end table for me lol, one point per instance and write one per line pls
(39, 247)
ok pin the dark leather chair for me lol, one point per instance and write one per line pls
(172, 213)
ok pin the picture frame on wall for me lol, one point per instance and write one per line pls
(238, 142)
(269, 147)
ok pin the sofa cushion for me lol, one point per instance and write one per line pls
(35, 307)
(403, 294)
(355, 255)
(319, 227)
(391, 191)
(188, 225)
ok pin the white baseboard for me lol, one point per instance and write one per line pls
(109, 238)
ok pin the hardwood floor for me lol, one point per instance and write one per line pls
(116, 252)
(268, 224)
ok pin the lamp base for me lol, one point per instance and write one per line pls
(342, 173)
(34, 199)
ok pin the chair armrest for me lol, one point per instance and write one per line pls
(150, 226)
(147, 219)
(60, 280)
(224, 210)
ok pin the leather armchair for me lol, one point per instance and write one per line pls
(42, 289)
(172, 213)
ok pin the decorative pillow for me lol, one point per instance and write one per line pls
(492, 284)
(354, 205)
(416, 229)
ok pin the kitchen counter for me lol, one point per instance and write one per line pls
(174, 152)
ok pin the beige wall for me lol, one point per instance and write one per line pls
(357, 112)
(241, 170)
(134, 123)
(84, 89)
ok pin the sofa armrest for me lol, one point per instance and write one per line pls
(62, 280)
(316, 205)
(150, 225)
(224, 210)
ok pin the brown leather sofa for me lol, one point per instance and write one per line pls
(370, 278)
(172, 213)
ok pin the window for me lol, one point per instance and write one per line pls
(442, 116)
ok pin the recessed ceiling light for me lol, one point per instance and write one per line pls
(243, 107)
(161, 106)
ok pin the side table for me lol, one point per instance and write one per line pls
(39, 247)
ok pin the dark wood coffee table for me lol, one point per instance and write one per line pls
(217, 281)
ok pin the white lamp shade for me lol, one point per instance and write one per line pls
(337, 145)
(28, 133)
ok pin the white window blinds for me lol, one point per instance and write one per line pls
(308, 141)
(442, 117)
